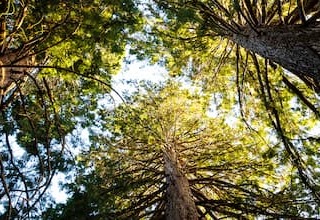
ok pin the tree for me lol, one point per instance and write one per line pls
(56, 60)
(231, 49)
(88, 38)
(160, 156)
(284, 32)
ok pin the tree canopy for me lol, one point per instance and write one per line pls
(255, 62)
(226, 47)
(229, 170)
(57, 59)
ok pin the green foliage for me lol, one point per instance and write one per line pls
(257, 157)
(225, 166)
(77, 47)
(272, 102)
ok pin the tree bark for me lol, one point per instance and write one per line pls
(180, 204)
(294, 47)
(10, 75)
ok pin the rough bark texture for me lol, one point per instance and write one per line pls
(180, 204)
(9, 76)
(295, 47)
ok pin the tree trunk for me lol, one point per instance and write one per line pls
(10, 74)
(180, 204)
(294, 47)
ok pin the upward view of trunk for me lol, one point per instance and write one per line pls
(294, 47)
(10, 60)
(11, 75)
(180, 204)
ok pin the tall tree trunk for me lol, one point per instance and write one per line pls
(294, 47)
(180, 204)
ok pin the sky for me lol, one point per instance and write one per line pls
(137, 70)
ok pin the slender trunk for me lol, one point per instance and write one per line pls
(294, 47)
(180, 204)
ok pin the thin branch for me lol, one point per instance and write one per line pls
(296, 91)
